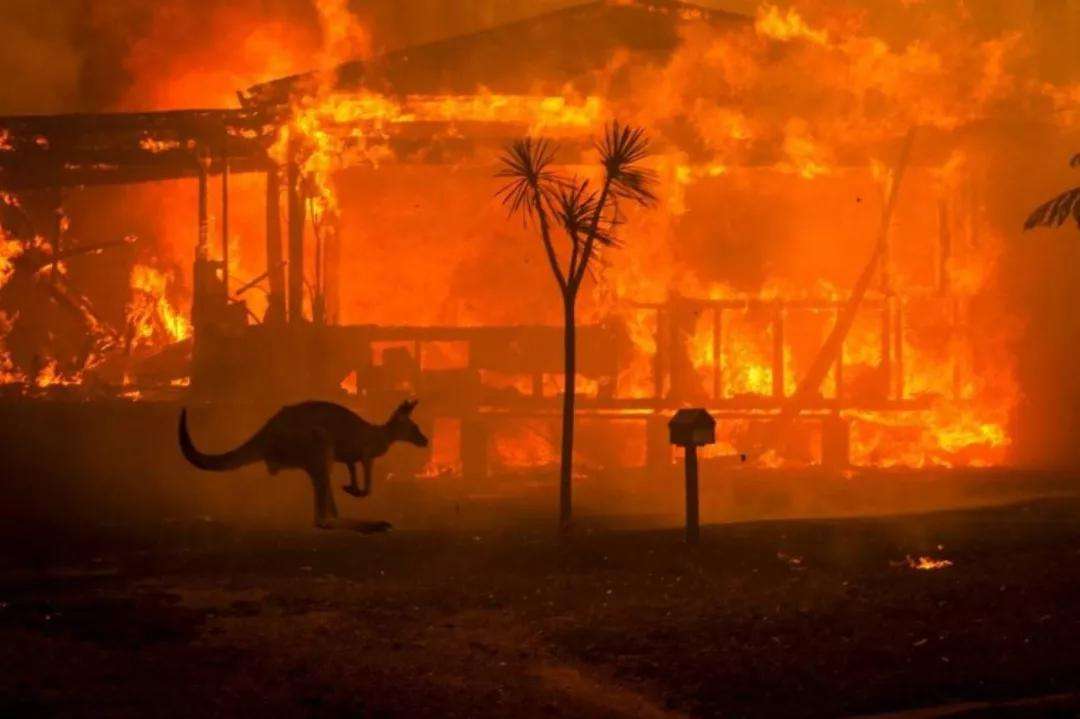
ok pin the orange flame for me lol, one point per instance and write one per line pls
(152, 319)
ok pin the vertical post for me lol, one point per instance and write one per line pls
(886, 344)
(778, 353)
(332, 269)
(693, 530)
(886, 311)
(274, 259)
(679, 383)
(717, 352)
(840, 373)
(203, 280)
(225, 222)
(898, 346)
(318, 307)
(202, 246)
(296, 239)
(659, 359)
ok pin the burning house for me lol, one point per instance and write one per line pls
(337, 235)
(823, 455)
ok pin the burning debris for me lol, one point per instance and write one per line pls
(924, 564)
(152, 321)
(51, 334)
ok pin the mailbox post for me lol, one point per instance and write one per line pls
(690, 429)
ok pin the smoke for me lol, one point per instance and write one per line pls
(41, 59)
(87, 56)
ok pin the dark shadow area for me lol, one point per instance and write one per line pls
(799, 618)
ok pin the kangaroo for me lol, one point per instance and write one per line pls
(312, 436)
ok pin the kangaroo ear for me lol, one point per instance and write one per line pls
(406, 407)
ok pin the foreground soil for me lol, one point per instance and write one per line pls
(797, 618)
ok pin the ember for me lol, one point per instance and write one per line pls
(927, 563)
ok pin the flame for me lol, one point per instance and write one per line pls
(331, 130)
(349, 384)
(10, 249)
(344, 36)
(927, 563)
(157, 146)
(790, 127)
(444, 460)
(773, 23)
(524, 444)
(152, 319)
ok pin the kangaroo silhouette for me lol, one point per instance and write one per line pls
(312, 436)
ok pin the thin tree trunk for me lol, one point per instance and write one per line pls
(566, 464)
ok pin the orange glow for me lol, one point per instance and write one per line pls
(156, 146)
(152, 319)
(775, 145)
(524, 444)
(927, 564)
(773, 23)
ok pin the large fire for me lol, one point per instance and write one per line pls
(775, 146)
(152, 319)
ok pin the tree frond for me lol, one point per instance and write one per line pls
(576, 205)
(1055, 212)
(526, 164)
(621, 148)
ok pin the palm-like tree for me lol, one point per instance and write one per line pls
(588, 217)
(1055, 212)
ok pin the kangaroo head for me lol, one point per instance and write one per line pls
(402, 428)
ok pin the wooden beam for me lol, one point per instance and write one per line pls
(718, 352)
(332, 270)
(898, 346)
(202, 249)
(225, 225)
(275, 262)
(296, 239)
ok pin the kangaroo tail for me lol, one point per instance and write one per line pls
(247, 453)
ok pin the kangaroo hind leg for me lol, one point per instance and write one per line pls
(318, 465)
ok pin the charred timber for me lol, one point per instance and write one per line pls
(73, 150)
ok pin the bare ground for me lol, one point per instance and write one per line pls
(794, 618)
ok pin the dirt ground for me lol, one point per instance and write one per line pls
(791, 618)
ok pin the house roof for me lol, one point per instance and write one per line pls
(538, 55)
(530, 56)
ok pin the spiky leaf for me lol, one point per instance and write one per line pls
(575, 207)
(1055, 212)
(621, 149)
(526, 165)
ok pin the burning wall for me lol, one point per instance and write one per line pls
(774, 139)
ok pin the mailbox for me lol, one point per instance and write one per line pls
(692, 428)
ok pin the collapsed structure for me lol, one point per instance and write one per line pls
(738, 349)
